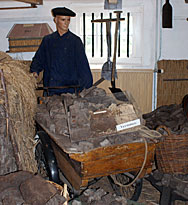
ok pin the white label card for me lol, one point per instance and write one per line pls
(127, 125)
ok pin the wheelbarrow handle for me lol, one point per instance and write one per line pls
(57, 87)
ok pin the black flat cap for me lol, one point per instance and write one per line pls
(62, 11)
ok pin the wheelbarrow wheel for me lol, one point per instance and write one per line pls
(47, 165)
(131, 192)
(41, 162)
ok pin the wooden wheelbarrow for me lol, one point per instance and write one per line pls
(102, 147)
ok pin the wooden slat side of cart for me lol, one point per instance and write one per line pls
(94, 147)
(79, 169)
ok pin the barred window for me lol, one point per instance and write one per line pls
(93, 35)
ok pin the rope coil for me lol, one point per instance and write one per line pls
(139, 173)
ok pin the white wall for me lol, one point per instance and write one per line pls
(42, 14)
(157, 43)
(174, 42)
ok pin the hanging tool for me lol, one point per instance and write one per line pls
(118, 93)
(106, 72)
(107, 66)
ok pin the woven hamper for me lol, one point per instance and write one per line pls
(172, 153)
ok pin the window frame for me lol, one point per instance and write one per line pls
(137, 13)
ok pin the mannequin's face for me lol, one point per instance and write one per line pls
(62, 23)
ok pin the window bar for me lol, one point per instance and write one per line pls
(84, 30)
(119, 37)
(101, 36)
(110, 49)
(92, 35)
(128, 22)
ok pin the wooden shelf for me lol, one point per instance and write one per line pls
(33, 3)
(38, 2)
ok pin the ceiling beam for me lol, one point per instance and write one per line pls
(37, 2)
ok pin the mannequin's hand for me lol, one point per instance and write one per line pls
(35, 75)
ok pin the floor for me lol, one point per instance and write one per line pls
(149, 195)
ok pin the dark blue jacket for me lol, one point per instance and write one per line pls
(64, 62)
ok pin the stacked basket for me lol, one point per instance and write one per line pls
(172, 153)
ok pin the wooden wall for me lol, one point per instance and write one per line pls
(172, 85)
(138, 82)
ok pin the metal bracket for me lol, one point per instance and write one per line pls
(112, 6)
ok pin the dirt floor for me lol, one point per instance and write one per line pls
(149, 195)
(21, 188)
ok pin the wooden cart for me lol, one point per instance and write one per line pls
(87, 154)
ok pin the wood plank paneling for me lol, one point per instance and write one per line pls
(172, 91)
(138, 82)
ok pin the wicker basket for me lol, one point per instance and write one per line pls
(172, 153)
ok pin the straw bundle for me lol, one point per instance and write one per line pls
(22, 104)
(4, 57)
